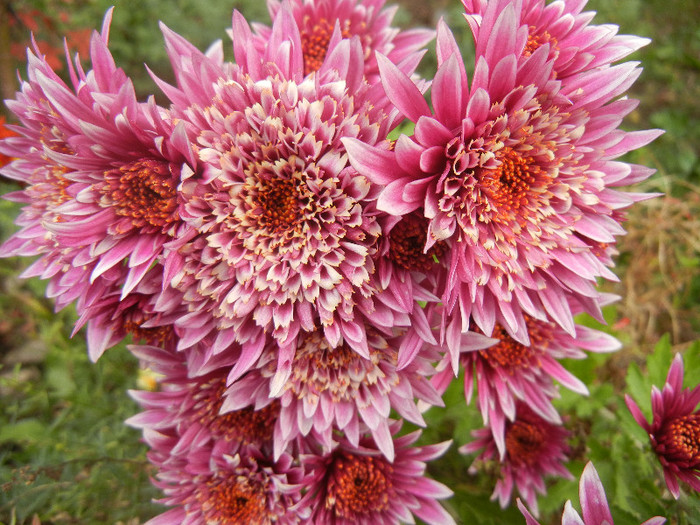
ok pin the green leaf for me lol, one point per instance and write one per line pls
(27, 430)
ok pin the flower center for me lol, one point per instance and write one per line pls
(233, 499)
(315, 40)
(339, 372)
(407, 240)
(509, 187)
(536, 40)
(681, 440)
(525, 442)
(359, 485)
(144, 191)
(511, 355)
(156, 336)
(246, 426)
(279, 204)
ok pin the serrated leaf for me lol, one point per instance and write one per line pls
(659, 361)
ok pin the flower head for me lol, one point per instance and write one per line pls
(188, 405)
(101, 172)
(675, 428)
(322, 23)
(326, 389)
(508, 371)
(594, 504)
(534, 448)
(514, 175)
(210, 483)
(573, 44)
(281, 232)
(358, 485)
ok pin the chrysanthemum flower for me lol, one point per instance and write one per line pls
(101, 172)
(323, 23)
(574, 45)
(359, 486)
(514, 175)
(215, 482)
(281, 236)
(534, 447)
(111, 317)
(594, 504)
(188, 405)
(510, 371)
(324, 390)
(675, 428)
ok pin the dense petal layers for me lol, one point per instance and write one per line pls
(514, 174)
(674, 431)
(535, 448)
(358, 485)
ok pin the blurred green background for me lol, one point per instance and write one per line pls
(67, 458)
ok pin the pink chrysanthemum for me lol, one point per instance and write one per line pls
(101, 172)
(574, 45)
(534, 447)
(510, 371)
(359, 486)
(111, 317)
(215, 482)
(280, 235)
(594, 504)
(326, 389)
(189, 405)
(514, 174)
(322, 23)
(675, 428)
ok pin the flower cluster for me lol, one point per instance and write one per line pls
(299, 278)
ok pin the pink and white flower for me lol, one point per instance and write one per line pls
(574, 45)
(281, 231)
(359, 486)
(188, 405)
(509, 372)
(534, 447)
(514, 173)
(327, 389)
(674, 431)
(101, 171)
(323, 23)
(213, 482)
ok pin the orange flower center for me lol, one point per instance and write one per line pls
(407, 242)
(315, 40)
(512, 355)
(279, 204)
(144, 191)
(681, 440)
(234, 499)
(359, 485)
(536, 40)
(247, 426)
(510, 187)
(525, 442)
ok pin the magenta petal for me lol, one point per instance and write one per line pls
(401, 90)
(594, 504)
(448, 94)
(377, 164)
